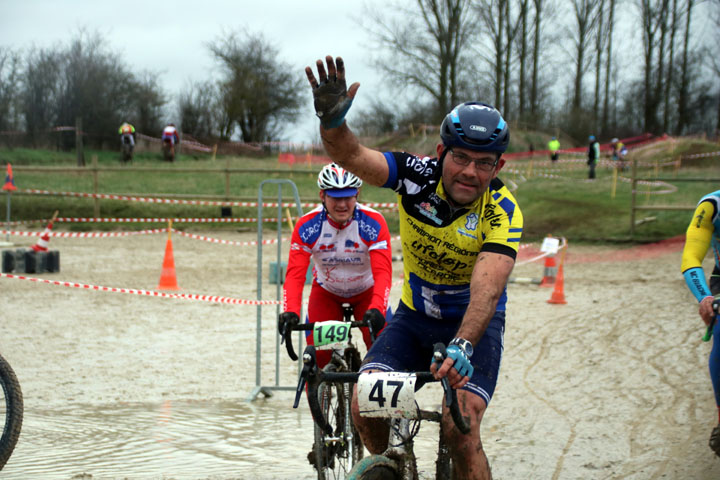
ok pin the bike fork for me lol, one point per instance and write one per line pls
(400, 448)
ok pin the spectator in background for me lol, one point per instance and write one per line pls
(127, 134)
(171, 133)
(593, 156)
(554, 146)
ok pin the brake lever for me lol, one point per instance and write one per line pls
(309, 364)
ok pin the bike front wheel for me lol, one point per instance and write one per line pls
(336, 453)
(375, 467)
(11, 411)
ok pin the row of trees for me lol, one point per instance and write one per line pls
(546, 68)
(576, 72)
(54, 86)
(49, 87)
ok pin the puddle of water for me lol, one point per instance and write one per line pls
(266, 439)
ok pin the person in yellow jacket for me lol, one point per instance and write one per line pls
(554, 146)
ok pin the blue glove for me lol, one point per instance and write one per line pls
(461, 362)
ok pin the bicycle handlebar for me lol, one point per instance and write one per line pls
(312, 376)
(286, 329)
(708, 331)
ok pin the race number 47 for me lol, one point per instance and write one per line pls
(387, 394)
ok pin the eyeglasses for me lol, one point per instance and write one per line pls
(480, 164)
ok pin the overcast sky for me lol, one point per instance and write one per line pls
(171, 37)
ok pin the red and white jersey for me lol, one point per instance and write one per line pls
(348, 259)
(170, 131)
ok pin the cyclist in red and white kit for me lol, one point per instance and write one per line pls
(350, 247)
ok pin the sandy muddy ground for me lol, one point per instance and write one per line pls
(612, 385)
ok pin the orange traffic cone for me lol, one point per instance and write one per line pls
(44, 242)
(9, 185)
(549, 272)
(168, 279)
(558, 296)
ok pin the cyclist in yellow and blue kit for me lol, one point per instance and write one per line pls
(460, 229)
(703, 232)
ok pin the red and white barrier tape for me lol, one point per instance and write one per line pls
(146, 220)
(176, 201)
(227, 242)
(150, 293)
(83, 234)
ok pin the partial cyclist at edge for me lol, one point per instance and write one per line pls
(704, 231)
(460, 229)
(349, 244)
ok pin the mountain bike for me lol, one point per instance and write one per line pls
(337, 447)
(11, 411)
(388, 395)
(168, 150)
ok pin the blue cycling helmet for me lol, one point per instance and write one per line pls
(475, 126)
(591, 138)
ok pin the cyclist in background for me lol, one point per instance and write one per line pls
(171, 133)
(127, 134)
(704, 231)
(460, 229)
(350, 247)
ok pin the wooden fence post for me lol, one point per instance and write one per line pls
(79, 142)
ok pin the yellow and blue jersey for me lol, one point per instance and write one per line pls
(440, 242)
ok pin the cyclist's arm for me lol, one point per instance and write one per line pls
(381, 265)
(697, 242)
(345, 150)
(487, 284)
(298, 262)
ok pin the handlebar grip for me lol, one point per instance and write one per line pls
(709, 329)
(287, 335)
(451, 401)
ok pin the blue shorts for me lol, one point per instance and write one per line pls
(406, 345)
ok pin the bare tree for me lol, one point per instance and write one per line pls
(258, 93)
(494, 19)
(9, 89)
(149, 101)
(585, 15)
(608, 66)
(40, 93)
(523, 55)
(685, 74)
(197, 106)
(600, 41)
(426, 43)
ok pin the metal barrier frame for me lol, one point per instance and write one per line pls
(266, 390)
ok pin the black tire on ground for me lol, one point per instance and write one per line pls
(53, 261)
(31, 260)
(8, 261)
(11, 411)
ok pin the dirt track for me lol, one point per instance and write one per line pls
(612, 385)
